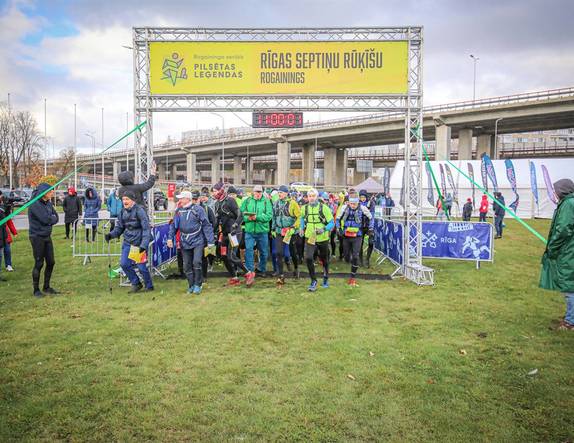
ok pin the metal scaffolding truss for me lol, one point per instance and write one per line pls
(409, 104)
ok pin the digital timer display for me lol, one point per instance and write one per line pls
(277, 119)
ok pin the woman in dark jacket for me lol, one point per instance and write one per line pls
(558, 259)
(92, 205)
(72, 209)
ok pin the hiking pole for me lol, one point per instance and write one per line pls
(109, 269)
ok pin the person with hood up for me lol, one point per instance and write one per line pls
(558, 258)
(448, 205)
(133, 223)
(92, 206)
(114, 205)
(126, 179)
(3, 237)
(467, 210)
(483, 210)
(195, 233)
(72, 210)
(499, 211)
(41, 217)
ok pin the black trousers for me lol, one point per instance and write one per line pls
(68, 224)
(43, 251)
(180, 261)
(231, 258)
(279, 245)
(482, 217)
(370, 245)
(192, 265)
(323, 250)
(352, 247)
(94, 232)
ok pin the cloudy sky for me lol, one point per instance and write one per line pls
(71, 51)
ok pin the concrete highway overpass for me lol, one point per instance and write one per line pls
(462, 130)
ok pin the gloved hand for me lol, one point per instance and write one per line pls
(142, 250)
(107, 237)
(170, 243)
(319, 231)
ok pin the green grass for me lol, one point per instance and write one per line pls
(269, 365)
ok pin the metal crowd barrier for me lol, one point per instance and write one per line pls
(84, 246)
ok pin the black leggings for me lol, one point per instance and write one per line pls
(94, 232)
(43, 250)
(352, 247)
(370, 246)
(68, 224)
(279, 245)
(323, 249)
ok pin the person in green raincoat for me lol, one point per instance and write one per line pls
(558, 259)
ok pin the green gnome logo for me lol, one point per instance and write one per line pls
(173, 69)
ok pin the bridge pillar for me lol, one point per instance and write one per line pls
(442, 139)
(173, 175)
(269, 177)
(249, 170)
(484, 145)
(329, 166)
(161, 171)
(117, 167)
(283, 163)
(341, 168)
(465, 144)
(237, 172)
(308, 159)
(215, 168)
(191, 168)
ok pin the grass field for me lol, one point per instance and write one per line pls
(387, 361)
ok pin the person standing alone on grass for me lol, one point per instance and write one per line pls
(133, 223)
(316, 224)
(41, 217)
(499, 211)
(114, 206)
(5, 210)
(483, 210)
(72, 210)
(3, 238)
(257, 212)
(558, 259)
(195, 233)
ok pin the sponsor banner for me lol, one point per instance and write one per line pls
(490, 171)
(161, 253)
(278, 68)
(471, 175)
(457, 240)
(389, 239)
(430, 191)
(549, 186)
(511, 175)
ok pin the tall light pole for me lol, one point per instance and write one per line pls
(475, 59)
(222, 146)
(496, 137)
(10, 151)
(45, 142)
(88, 134)
(127, 146)
(75, 151)
(103, 149)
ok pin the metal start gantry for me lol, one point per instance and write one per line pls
(409, 103)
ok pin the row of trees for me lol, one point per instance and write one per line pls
(21, 140)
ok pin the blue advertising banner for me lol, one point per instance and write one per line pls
(457, 240)
(161, 253)
(389, 239)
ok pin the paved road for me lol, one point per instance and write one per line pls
(21, 221)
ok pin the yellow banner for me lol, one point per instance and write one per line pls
(277, 68)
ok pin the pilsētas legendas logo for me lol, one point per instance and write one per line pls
(173, 69)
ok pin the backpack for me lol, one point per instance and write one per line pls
(322, 218)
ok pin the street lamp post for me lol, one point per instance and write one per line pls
(222, 146)
(45, 142)
(475, 59)
(496, 137)
(103, 149)
(75, 151)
